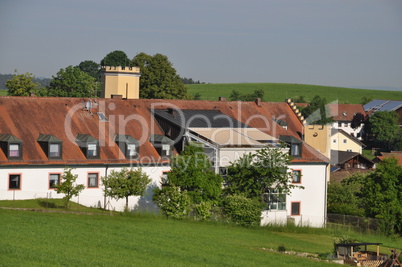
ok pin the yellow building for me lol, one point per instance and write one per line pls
(124, 81)
(342, 141)
(319, 137)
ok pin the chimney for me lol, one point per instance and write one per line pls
(117, 96)
(258, 102)
(221, 98)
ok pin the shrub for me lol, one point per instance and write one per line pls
(242, 210)
(173, 202)
(203, 210)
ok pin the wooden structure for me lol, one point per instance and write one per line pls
(357, 254)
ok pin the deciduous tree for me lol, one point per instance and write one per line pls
(116, 58)
(317, 112)
(68, 187)
(91, 68)
(159, 79)
(255, 174)
(383, 127)
(125, 183)
(72, 82)
(21, 85)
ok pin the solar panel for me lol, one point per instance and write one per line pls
(391, 105)
(373, 104)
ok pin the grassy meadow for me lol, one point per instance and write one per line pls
(278, 92)
(58, 238)
(3, 92)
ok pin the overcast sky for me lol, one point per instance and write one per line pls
(346, 43)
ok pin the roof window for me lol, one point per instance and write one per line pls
(162, 144)
(51, 145)
(294, 145)
(128, 145)
(11, 146)
(89, 145)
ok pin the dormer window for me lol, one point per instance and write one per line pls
(128, 145)
(162, 144)
(11, 146)
(51, 145)
(294, 145)
(89, 145)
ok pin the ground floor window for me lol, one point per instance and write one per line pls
(275, 200)
(54, 180)
(295, 208)
(93, 179)
(14, 181)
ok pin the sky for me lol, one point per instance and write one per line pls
(346, 43)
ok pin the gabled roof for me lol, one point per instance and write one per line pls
(86, 138)
(345, 112)
(160, 139)
(64, 118)
(352, 138)
(124, 138)
(340, 157)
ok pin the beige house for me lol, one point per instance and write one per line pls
(342, 141)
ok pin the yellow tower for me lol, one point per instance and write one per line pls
(124, 81)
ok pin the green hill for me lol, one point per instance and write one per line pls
(278, 92)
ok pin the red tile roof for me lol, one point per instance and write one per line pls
(345, 112)
(64, 118)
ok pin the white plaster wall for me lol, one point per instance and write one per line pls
(348, 129)
(35, 184)
(312, 198)
(274, 217)
(230, 155)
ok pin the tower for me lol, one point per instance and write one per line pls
(124, 81)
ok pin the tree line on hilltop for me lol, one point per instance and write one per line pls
(158, 78)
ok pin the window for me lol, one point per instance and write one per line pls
(296, 176)
(14, 182)
(93, 180)
(92, 150)
(54, 150)
(89, 145)
(295, 208)
(348, 150)
(345, 141)
(129, 146)
(295, 150)
(11, 146)
(54, 180)
(346, 124)
(51, 145)
(334, 141)
(339, 124)
(162, 144)
(275, 200)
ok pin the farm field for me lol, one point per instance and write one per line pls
(50, 238)
(278, 92)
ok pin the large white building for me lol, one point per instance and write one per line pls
(39, 137)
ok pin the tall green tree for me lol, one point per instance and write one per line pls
(91, 68)
(68, 187)
(72, 82)
(21, 85)
(257, 173)
(383, 127)
(159, 79)
(125, 183)
(382, 192)
(191, 172)
(317, 112)
(116, 58)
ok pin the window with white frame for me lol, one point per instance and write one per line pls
(345, 141)
(275, 200)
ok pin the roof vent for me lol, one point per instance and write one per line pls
(345, 114)
(88, 105)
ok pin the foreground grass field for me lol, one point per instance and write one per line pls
(31, 238)
(3, 92)
(278, 92)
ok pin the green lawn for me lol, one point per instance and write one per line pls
(31, 238)
(278, 92)
(3, 92)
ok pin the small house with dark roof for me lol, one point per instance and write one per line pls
(350, 160)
